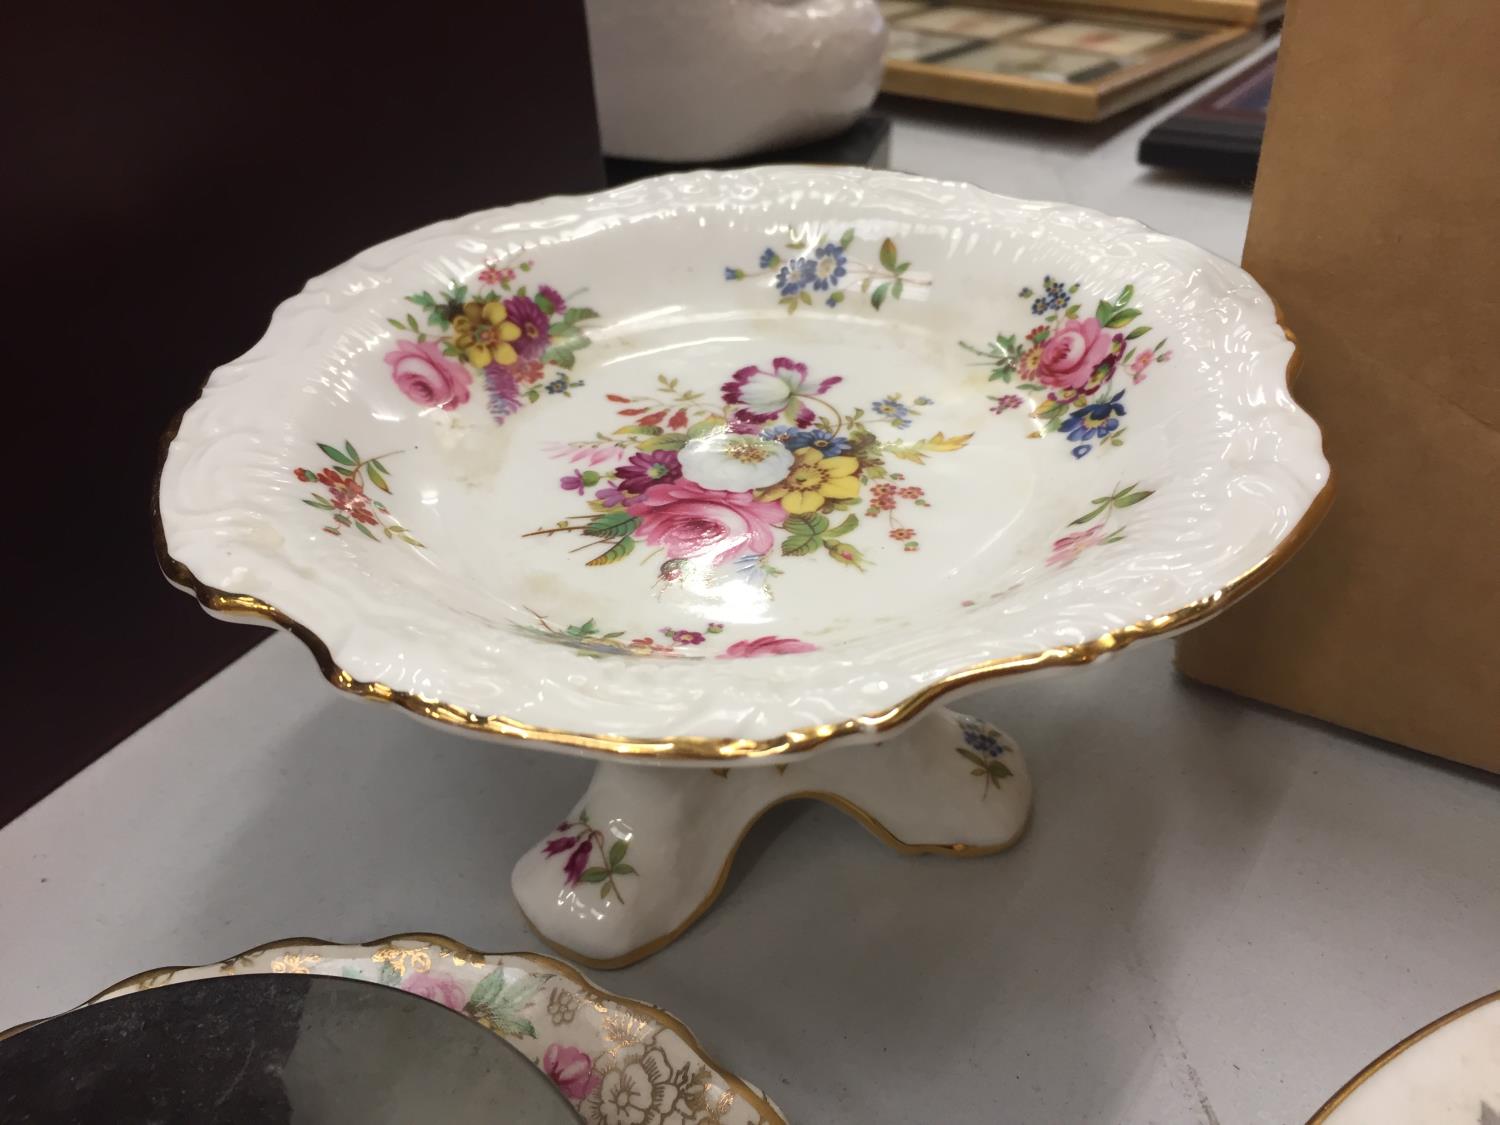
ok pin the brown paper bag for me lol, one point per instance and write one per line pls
(1376, 226)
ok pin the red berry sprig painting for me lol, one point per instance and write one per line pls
(344, 494)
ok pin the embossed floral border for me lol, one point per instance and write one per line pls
(951, 201)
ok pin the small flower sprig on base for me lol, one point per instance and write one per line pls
(346, 498)
(1075, 362)
(580, 840)
(1075, 543)
(984, 747)
(827, 269)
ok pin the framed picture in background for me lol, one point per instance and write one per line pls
(1060, 60)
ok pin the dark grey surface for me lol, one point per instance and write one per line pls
(866, 143)
(271, 1049)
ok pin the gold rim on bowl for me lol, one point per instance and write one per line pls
(697, 748)
(243, 607)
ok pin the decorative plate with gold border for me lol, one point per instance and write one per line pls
(616, 1060)
(1448, 1073)
(733, 464)
(726, 467)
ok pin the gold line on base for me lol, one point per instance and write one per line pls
(876, 829)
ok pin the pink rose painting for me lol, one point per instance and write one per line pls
(571, 1070)
(689, 522)
(767, 646)
(438, 987)
(1078, 361)
(428, 377)
(1072, 352)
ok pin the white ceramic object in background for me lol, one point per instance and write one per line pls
(681, 81)
(722, 468)
(1448, 1073)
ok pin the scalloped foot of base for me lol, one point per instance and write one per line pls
(648, 848)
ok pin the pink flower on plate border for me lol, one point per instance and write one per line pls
(571, 1070)
(438, 987)
(1140, 363)
(428, 377)
(496, 274)
(1070, 546)
(766, 646)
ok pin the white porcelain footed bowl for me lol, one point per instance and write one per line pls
(727, 465)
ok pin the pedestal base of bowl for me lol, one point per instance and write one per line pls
(647, 850)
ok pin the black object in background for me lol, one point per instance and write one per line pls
(271, 1049)
(1219, 134)
(169, 179)
(865, 144)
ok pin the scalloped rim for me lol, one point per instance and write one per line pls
(648, 1013)
(688, 749)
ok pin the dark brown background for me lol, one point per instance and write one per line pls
(170, 178)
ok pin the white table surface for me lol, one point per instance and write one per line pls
(1219, 914)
